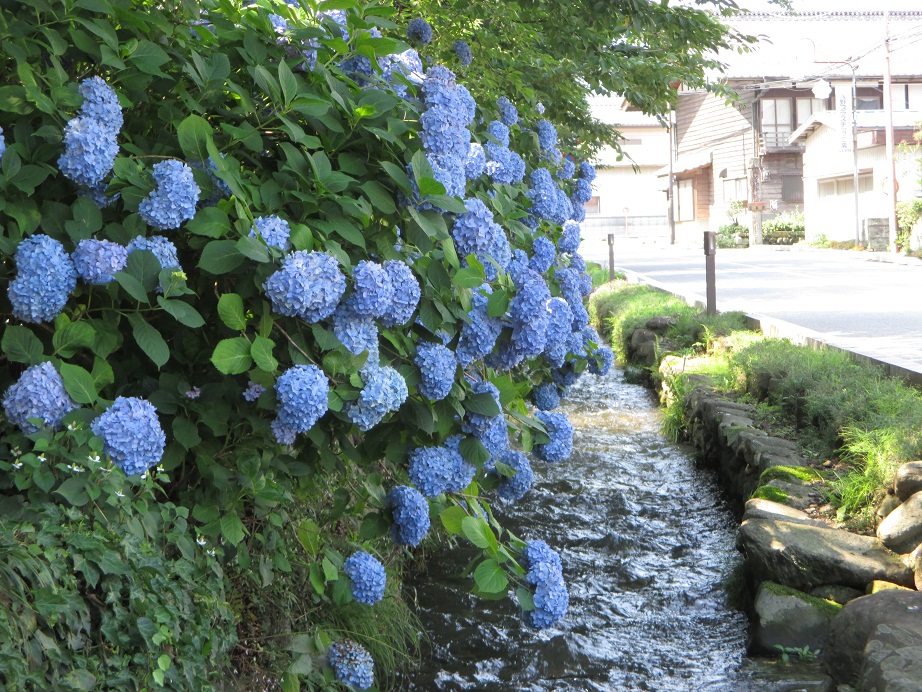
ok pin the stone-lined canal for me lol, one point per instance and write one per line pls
(646, 541)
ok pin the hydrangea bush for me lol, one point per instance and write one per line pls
(324, 301)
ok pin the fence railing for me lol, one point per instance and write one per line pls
(647, 227)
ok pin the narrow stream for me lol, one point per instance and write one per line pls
(646, 540)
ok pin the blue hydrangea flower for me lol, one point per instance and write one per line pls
(435, 470)
(539, 551)
(338, 18)
(100, 102)
(550, 598)
(97, 260)
(463, 51)
(476, 163)
(2, 142)
(504, 165)
(437, 365)
(500, 132)
(90, 148)
(475, 233)
(302, 397)
(274, 230)
(585, 284)
(559, 328)
(507, 355)
(38, 393)
(411, 515)
(560, 430)
(309, 285)
(352, 664)
(45, 278)
(529, 315)
(253, 391)
(569, 239)
(582, 192)
(367, 576)
(406, 293)
(546, 397)
(577, 262)
(419, 31)
(564, 207)
(173, 201)
(467, 103)
(163, 250)
(514, 489)
(462, 473)
(580, 316)
(406, 64)
(540, 108)
(543, 255)
(568, 281)
(283, 434)
(385, 391)
(547, 135)
(479, 334)
(518, 268)
(97, 193)
(587, 171)
(355, 332)
(567, 169)
(374, 291)
(579, 213)
(603, 361)
(543, 194)
(131, 434)
(508, 113)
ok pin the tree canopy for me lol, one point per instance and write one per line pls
(560, 53)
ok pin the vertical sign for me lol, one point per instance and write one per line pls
(844, 118)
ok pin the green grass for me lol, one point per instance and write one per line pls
(600, 274)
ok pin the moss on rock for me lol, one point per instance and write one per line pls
(790, 474)
(830, 607)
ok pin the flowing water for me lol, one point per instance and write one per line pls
(646, 540)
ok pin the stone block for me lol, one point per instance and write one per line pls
(901, 530)
(790, 618)
(908, 480)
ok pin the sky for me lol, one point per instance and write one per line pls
(833, 5)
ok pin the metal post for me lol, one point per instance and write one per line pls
(710, 271)
(891, 163)
(669, 192)
(855, 154)
(611, 256)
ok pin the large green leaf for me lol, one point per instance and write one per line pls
(220, 257)
(232, 528)
(261, 351)
(452, 518)
(232, 356)
(478, 532)
(490, 577)
(231, 311)
(183, 312)
(20, 345)
(194, 134)
(150, 340)
(482, 403)
(78, 383)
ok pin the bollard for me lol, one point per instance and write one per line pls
(710, 275)
(611, 256)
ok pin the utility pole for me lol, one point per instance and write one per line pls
(670, 190)
(888, 109)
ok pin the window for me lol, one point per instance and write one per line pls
(792, 188)
(593, 206)
(735, 189)
(807, 107)
(776, 121)
(686, 199)
(868, 104)
(831, 187)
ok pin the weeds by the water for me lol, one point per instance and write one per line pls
(835, 405)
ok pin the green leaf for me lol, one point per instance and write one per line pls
(144, 266)
(374, 525)
(526, 601)
(78, 383)
(186, 432)
(451, 518)
(220, 257)
(79, 679)
(231, 312)
(288, 83)
(498, 303)
(149, 340)
(210, 222)
(194, 134)
(71, 336)
(330, 573)
(316, 578)
(21, 346)
(232, 356)
(490, 577)
(102, 373)
(183, 312)
(74, 490)
(474, 452)
(261, 351)
(132, 286)
(379, 196)
(478, 532)
(254, 249)
(309, 535)
(232, 528)
(482, 403)
(447, 203)
(468, 277)
(163, 663)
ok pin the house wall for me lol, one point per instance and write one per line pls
(834, 216)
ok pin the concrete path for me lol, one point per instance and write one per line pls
(870, 303)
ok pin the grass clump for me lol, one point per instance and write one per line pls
(600, 274)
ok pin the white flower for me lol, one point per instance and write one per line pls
(119, 493)
(41, 457)
(201, 541)
(17, 465)
(94, 459)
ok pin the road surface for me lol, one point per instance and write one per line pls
(872, 307)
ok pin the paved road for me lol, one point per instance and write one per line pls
(872, 307)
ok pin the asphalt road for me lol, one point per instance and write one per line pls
(872, 307)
